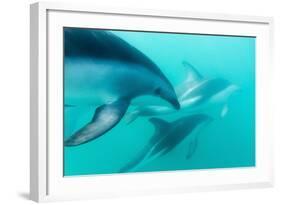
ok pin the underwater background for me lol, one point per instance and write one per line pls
(226, 142)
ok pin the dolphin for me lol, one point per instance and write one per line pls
(194, 93)
(102, 69)
(166, 137)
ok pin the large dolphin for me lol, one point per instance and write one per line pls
(195, 93)
(166, 137)
(102, 69)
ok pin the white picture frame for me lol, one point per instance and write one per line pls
(46, 179)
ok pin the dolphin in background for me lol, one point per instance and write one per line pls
(101, 69)
(166, 137)
(195, 93)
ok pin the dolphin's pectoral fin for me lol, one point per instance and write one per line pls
(193, 144)
(105, 118)
(131, 116)
(224, 110)
(192, 148)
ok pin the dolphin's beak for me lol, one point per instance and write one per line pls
(175, 104)
(170, 96)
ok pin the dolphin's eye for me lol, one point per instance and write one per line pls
(157, 91)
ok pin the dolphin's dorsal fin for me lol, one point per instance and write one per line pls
(192, 78)
(192, 75)
(161, 129)
(159, 123)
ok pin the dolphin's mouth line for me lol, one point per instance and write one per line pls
(176, 104)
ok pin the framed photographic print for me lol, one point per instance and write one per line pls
(127, 102)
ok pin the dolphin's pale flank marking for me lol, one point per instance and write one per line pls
(167, 135)
(194, 94)
(102, 69)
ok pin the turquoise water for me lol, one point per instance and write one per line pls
(226, 142)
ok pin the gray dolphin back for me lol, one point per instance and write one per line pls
(102, 44)
(167, 136)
